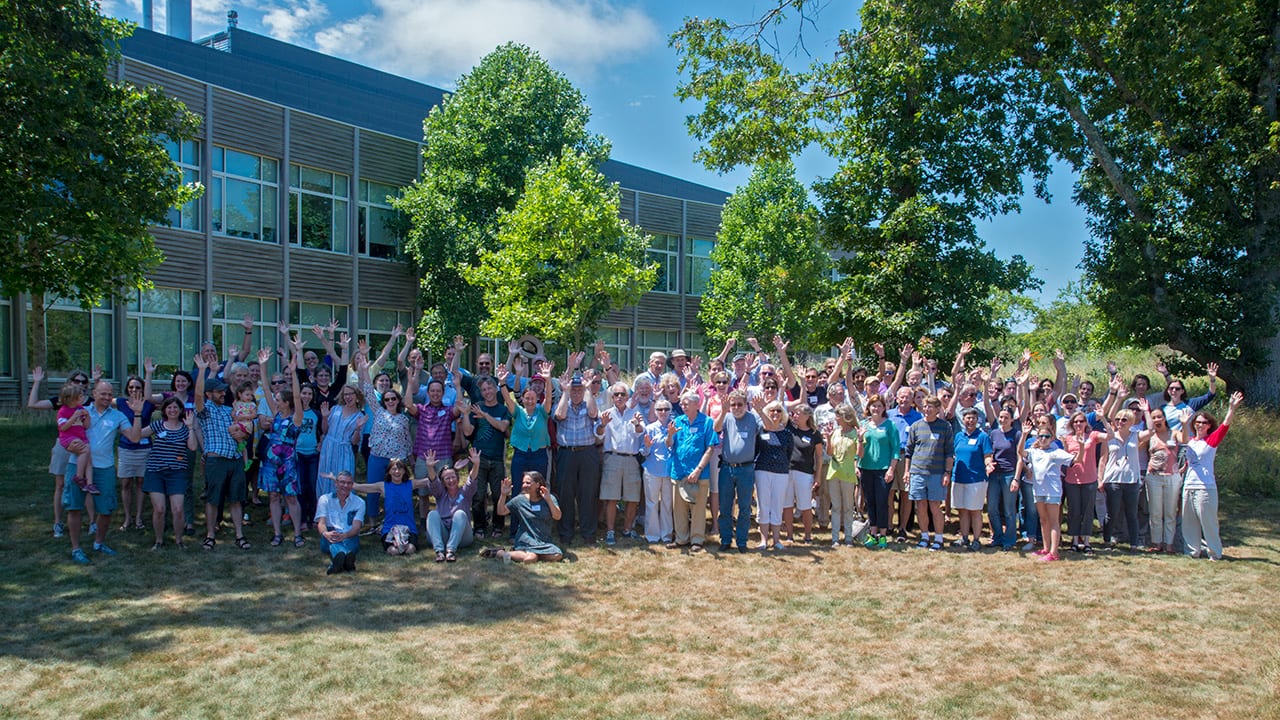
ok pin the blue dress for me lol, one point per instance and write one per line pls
(336, 452)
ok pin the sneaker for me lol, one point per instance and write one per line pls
(923, 543)
(1049, 557)
(59, 530)
(78, 557)
(883, 542)
(1029, 546)
(975, 546)
(350, 564)
(779, 546)
(935, 546)
(870, 542)
(610, 538)
(103, 548)
(725, 547)
(92, 489)
(80, 482)
(630, 534)
(959, 543)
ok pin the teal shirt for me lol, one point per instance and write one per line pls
(529, 433)
(880, 445)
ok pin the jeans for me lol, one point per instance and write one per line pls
(377, 468)
(1030, 515)
(350, 546)
(308, 468)
(488, 488)
(522, 461)
(1002, 510)
(1122, 500)
(457, 535)
(740, 481)
(1080, 501)
(875, 494)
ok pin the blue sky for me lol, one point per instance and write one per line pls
(616, 52)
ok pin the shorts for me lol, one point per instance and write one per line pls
(1049, 499)
(926, 487)
(103, 477)
(620, 478)
(412, 540)
(799, 492)
(171, 481)
(58, 459)
(899, 478)
(224, 480)
(132, 462)
(968, 496)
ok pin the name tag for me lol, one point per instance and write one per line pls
(933, 436)
(764, 436)
(440, 413)
(162, 434)
(583, 411)
(743, 434)
(973, 441)
(536, 508)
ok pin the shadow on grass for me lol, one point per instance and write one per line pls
(142, 601)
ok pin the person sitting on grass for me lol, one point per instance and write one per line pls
(339, 515)
(400, 528)
(535, 508)
(449, 525)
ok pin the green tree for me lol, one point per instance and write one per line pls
(509, 114)
(900, 209)
(563, 256)
(83, 172)
(1071, 322)
(769, 267)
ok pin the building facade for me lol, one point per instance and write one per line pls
(298, 152)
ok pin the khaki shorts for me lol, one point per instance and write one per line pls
(620, 479)
(58, 459)
(899, 484)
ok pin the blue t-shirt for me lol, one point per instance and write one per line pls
(971, 449)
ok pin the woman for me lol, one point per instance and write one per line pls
(1175, 398)
(400, 526)
(773, 467)
(308, 457)
(131, 464)
(1080, 480)
(390, 437)
(341, 427)
(806, 464)
(878, 456)
(278, 473)
(535, 509)
(1200, 491)
(173, 440)
(1163, 481)
(529, 435)
(658, 523)
(1002, 499)
(715, 401)
(182, 386)
(842, 472)
(1121, 479)
(449, 525)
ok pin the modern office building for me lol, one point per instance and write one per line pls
(298, 152)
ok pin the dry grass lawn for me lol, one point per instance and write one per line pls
(629, 632)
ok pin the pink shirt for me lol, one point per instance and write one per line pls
(1082, 473)
(69, 432)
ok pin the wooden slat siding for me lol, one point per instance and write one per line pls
(658, 311)
(243, 123)
(247, 267)
(190, 92)
(10, 393)
(387, 160)
(387, 284)
(618, 318)
(627, 206)
(184, 261)
(703, 221)
(321, 144)
(659, 214)
(316, 276)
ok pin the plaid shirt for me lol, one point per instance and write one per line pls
(577, 428)
(215, 420)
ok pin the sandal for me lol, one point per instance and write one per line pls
(440, 556)
(242, 543)
(208, 543)
(276, 540)
(139, 526)
(299, 541)
(157, 546)
(489, 552)
(451, 556)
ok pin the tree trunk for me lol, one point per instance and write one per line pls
(35, 332)
(1262, 387)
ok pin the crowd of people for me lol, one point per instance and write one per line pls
(866, 449)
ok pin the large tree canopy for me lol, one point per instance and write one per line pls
(770, 271)
(82, 170)
(1167, 110)
(511, 113)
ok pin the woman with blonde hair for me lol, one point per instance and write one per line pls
(773, 470)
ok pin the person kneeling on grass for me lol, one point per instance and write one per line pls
(400, 536)
(339, 515)
(535, 508)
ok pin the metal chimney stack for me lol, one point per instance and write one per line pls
(148, 14)
(179, 18)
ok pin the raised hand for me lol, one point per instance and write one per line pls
(966, 347)
(671, 427)
(458, 342)
(345, 339)
(545, 367)
(1143, 405)
(317, 331)
(606, 416)
(878, 348)
(332, 327)
(283, 328)
(502, 374)
(135, 404)
(1059, 355)
(905, 354)
(37, 374)
(1212, 370)
(779, 344)
(362, 346)
(264, 355)
(97, 374)
(1161, 367)
(409, 334)
(755, 344)
(430, 459)
(474, 454)
(247, 323)
(200, 362)
(506, 487)
(1112, 368)
(1237, 397)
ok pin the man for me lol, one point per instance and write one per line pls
(738, 430)
(486, 427)
(105, 423)
(59, 455)
(930, 454)
(657, 366)
(903, 415)
(622, 429)
(224, 477)
(814, 392)
(692, 438)
(339, 516)
(209, 351)
(578, 458)
(680, 363)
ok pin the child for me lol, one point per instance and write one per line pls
(244, 411)
(73, 424)
(1046, 463)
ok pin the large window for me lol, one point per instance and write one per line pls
(74, 339)
(617, 341)
(651, 341)
(243, 195)
(379, 226)
(375, 327)
(318, 209)
(6, 340)
(696, 344)
(228, 317)
(186, 155)
(698, 269)
(664, 251)
(164, 325)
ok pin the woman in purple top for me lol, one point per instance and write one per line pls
(449, 525)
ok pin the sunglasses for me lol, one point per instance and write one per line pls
(277, 382)
(618, 394)
(1045, 437)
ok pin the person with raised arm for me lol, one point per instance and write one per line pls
(1043, 464)
(535, 509)
(391, 435)
(530, 437)
(1202, 435)
(578, 458)
(173, 439)
(1163, 483)
(224, 478)
(449, 525)
(279, 474)
(485, 426)
(105, 424)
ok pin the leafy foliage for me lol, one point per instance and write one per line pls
(83, 173)
(563, 256)
(770, 270)
(511, 113)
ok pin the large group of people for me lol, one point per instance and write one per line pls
(868, 450)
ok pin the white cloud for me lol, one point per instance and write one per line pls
(437, 40)
(294, 19)
(207, 16)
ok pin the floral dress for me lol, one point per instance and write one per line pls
(279, 470)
